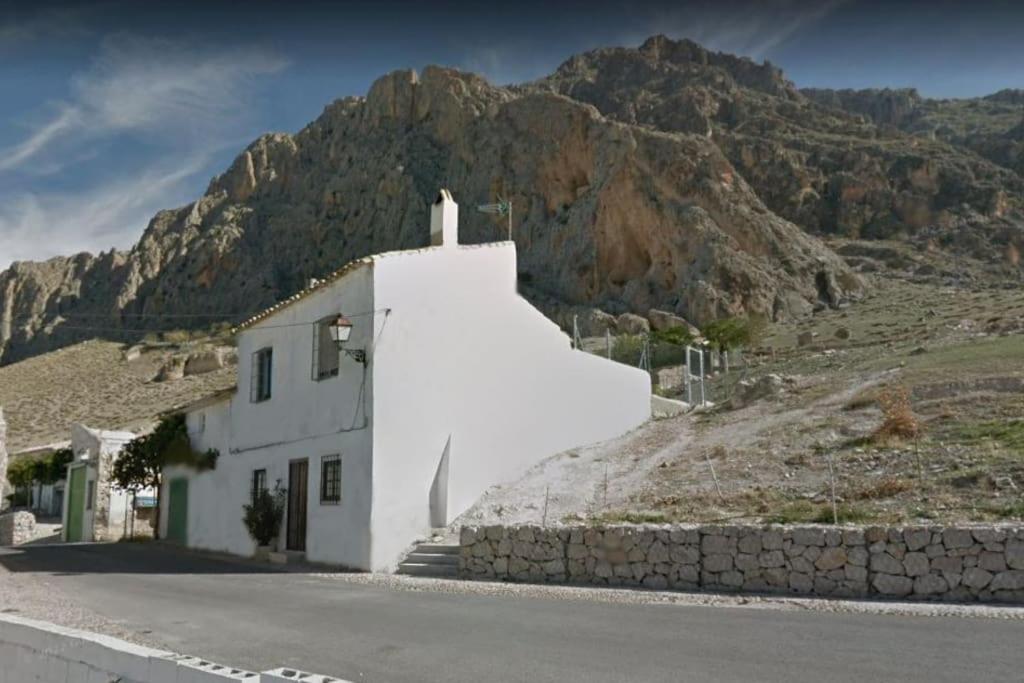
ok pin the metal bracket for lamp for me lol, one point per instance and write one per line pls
(358, 355)
(341, 331)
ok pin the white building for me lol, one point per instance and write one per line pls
(450, 383)
(94, 509)
(46, 500)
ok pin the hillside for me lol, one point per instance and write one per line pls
(96, 383)
(662, 177)
(798, 415)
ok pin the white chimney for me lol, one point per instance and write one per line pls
(444, 221)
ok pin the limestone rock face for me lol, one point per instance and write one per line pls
(875, 163)
(616, 209)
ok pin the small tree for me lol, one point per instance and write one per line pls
(264, 515)
(19, 474)
(57, 465)
(143, 459)
(727, 334)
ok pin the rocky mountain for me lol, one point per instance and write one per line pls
(813, 157)
(665, 177)
(990, 126)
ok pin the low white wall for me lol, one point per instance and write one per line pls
(46, 653)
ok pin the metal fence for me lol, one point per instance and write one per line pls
(693, 373)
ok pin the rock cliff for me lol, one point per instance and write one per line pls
(607, 213)
(663, 177)
(829, 161)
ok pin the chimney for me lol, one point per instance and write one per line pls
(444, 221)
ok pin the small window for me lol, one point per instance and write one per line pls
(262, 372)
(259, 484)
(201, 423)
(325, 351)
(90, 496)
(330, 479)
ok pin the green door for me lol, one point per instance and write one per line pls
(76, 504)
(177, 511)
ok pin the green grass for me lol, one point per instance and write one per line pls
(804, 511)
(1007, 433)
(631, 517)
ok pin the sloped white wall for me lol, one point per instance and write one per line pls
(464, 356)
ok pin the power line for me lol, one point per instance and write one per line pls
(92, 328)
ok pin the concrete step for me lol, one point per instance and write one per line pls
(422, 569)
(437, 549)
(419, 557)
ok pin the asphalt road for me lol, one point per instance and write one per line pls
(244, 616)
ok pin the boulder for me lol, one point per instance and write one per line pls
(209, 360)
(630, 323)
(172, 369)
(748, 391)
(663, 320)
(671, 377)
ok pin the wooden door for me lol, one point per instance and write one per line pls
(177, 511)
(298, 494)
(76, 504)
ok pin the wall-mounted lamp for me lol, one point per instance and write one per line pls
(341, 331)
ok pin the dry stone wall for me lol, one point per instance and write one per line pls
(17, 527)
(977, 563)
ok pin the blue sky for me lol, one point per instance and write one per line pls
(111, 111)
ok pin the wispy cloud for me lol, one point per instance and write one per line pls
(148, 85)
(111, 215)
(165, 110)
(755, 32)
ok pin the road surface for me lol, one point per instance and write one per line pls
(247, 616)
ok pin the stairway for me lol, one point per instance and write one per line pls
(432, 559)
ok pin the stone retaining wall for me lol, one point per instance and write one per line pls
(947, 563)
(17, 527)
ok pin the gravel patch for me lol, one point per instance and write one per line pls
(646, 597)
(33, 596)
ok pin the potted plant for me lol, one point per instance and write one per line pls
(263, 517)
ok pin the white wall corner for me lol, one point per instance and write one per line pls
(444, 221)
(439, 496)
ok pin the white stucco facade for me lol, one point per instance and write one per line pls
(465, 385)
(105, 509)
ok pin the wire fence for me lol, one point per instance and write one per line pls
(695, 373)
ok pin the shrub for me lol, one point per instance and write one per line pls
(264, 515)
(726, 334)
(898, 419)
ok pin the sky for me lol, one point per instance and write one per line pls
(111, 111)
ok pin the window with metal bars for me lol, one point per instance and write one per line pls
(325, 351)
(259, 484)
(261, 374)
(330, 479)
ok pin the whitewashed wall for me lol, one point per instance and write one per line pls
(303, 419)
(464, 356)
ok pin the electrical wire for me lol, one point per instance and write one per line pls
(360, 404)
(96, 328)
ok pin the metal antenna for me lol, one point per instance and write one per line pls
(502, 208)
